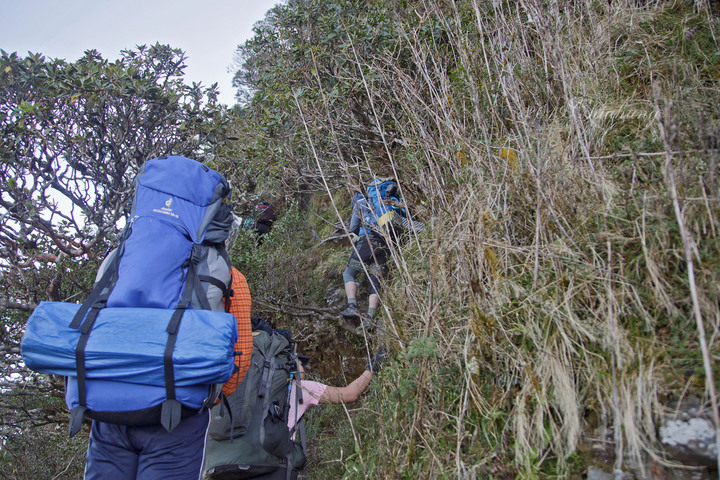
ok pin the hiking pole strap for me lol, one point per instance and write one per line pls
(77, 415)
(192, 281)
(171, 412)
(227, 291)
(301, 431)
(201, 295)
(288, 471)
(266, 378)
(226, 409)
(299, 422)
(85, 329)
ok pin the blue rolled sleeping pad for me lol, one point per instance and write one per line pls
(127, 344)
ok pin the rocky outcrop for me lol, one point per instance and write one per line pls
(689, 437)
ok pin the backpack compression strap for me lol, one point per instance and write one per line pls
(171, 412)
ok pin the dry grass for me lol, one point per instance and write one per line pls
(573, 241)
(549, 263)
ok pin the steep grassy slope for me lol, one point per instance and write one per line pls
(565, 158)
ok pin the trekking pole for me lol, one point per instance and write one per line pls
(286, 412)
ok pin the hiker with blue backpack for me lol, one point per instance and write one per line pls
(378, 217)
(148, 352)
(152, 452)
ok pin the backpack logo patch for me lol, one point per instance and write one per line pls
(166, 210)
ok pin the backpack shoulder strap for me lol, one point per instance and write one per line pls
(91, 307)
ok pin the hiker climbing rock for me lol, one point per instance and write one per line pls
(246, 437)
(376, 218)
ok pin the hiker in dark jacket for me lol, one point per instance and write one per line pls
(262, 221)
(264, 218)
(370, 252)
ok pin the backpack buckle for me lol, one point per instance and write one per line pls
(195, 254)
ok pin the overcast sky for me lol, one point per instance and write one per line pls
(208, 31)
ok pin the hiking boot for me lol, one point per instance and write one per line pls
(368, 323)
(350, 312)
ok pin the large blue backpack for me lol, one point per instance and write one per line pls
(152, 343)
(373, 207)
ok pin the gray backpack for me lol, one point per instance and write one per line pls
(248, 435)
